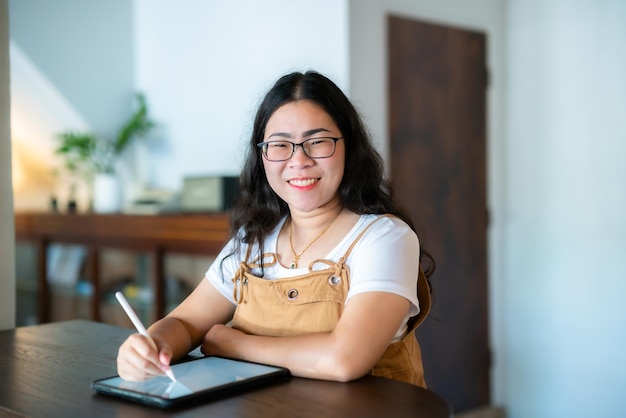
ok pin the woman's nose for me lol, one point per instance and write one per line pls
(299, 157)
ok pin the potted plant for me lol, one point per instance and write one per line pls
(94, 159)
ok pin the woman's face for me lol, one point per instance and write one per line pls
(304, 183)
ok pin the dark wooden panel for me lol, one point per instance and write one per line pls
(437, 128)
(196, 233)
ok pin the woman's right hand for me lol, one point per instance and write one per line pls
(141, 358)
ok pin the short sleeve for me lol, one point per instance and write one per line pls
(223, 269)
(386, 259)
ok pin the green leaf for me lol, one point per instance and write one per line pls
(138, 126)
(84, 153)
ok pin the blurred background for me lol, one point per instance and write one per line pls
(553, 147)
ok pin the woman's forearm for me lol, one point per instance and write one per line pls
(173, 332)
(318, 355)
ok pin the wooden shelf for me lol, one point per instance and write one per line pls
(201, 234)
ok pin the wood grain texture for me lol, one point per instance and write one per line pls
(47, 371)
(437, 122)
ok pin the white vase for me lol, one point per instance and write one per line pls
(107, 193)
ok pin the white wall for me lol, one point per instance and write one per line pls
(565, 262)
(84, 49)
(7, 234)
(205, 66)
(39, 111)
(72, 68)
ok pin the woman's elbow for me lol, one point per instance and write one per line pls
(349, 376)
(344, 369)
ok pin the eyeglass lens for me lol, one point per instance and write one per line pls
(313, 148)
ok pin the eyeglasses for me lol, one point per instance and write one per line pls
(313, 148)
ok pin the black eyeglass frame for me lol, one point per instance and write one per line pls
(263, 147)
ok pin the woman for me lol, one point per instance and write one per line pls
(314, 278)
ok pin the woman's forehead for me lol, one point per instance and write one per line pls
(299, 116)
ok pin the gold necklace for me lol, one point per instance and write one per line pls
(296, 256)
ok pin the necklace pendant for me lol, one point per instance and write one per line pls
(293, 265)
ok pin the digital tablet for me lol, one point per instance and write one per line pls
(198, 380)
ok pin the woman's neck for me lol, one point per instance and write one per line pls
(315, 220)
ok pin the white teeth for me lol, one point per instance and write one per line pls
(306, 182)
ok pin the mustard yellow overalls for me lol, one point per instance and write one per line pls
(313, 302)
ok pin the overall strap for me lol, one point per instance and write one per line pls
(341, 263)
(240, 281)
(358, 238)
(266, 259)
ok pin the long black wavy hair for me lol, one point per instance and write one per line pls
(363, 189)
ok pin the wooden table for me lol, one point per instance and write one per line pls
(46, 371)
(203, 234)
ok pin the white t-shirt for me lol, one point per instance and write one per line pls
(385, 259)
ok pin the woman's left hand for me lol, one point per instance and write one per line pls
(221, 340)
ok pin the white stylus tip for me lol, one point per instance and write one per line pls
(170, 374)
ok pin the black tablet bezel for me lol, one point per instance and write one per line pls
(278, 374)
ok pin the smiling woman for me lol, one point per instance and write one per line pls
(322, 274)
(310, 179)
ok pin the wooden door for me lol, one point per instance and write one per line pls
(437, 119)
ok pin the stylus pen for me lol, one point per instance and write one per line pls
(137, 323)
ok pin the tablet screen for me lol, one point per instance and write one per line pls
(203, 376)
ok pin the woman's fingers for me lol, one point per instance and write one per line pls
(139, 359)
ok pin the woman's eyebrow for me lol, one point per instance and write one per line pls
(280, 134)
(314, 131)
(305, 133)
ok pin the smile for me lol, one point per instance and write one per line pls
(303, 182)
